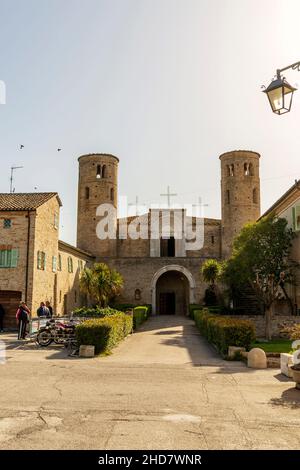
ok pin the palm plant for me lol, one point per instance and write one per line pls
(101, 283)
(211, 270)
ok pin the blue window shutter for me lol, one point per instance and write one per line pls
(14, 258)
(44, 263)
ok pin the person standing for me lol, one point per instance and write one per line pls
(43, 311)
(22, 316)
(50, 308)
(2, 313)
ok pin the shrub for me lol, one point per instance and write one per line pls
(293, 332)
(140, 314)
(192, 308)
(97, 312)
(123, 307)
(104, 333)
(224, 331)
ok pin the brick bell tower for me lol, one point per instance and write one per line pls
(240, 193)
(98, 184)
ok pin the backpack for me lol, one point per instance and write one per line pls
(24, 315)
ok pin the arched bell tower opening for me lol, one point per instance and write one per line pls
(172, 290)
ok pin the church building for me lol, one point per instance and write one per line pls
(163, 269)
(159, 253)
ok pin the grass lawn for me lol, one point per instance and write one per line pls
(276, 346)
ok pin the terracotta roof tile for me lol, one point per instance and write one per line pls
(24, 201)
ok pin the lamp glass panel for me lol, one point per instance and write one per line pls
(288, 94)
(276, 98)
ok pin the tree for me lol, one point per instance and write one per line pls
(101, 283)
(260, 258)
(211, 271)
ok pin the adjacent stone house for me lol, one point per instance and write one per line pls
(34, 265)
(288, 207)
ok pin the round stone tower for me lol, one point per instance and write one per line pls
(240, 193)
(98, 184)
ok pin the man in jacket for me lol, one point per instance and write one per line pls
(22, 316)
(43, 311)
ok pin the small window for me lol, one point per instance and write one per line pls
(87, 193)
(7, 223)
(137, 294)
(228, 196)
(104, 171)
(75, 296)
(167, 247)
(60, 296)
(248, 169)
(59, 264)
(212, 240)
(254, 196)
(112, 194)
(55, 222)
(70, 264)
(54, 264)
(98, 173)
(80, 265)
(230, 170)
(9, 258)
(41, 260)
(296, 218)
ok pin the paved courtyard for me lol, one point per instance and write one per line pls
(162, 388)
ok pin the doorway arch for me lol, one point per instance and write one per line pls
(179, 269)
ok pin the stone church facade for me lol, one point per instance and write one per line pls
(161, 268)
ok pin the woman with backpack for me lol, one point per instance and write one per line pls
(22, 317)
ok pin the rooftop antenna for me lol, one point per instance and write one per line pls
(12, 169)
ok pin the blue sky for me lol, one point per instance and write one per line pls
(166, 85)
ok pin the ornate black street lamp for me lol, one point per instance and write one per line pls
(280, 92)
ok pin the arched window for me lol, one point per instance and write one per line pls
(137, 294)
(104, 171)
(227, 196)
(112, 194)
(254, 196)
(87, 193)
(230, 170)
(248, 169)
(98, 174)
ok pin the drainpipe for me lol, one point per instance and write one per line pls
(27, 258)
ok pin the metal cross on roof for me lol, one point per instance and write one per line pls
(169, 195)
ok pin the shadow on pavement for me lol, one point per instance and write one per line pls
(289, 399)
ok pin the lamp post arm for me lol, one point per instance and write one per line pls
(294, 66)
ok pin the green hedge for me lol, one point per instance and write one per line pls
(95, 312)
(140, 314)
(192, 308)
(104, 333)
(224, 331)
(123, 307)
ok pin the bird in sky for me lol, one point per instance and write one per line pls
(21, 146)
(58, 150)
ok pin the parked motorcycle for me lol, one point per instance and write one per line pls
(58, 332)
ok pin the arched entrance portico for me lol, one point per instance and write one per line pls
(167, 281)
